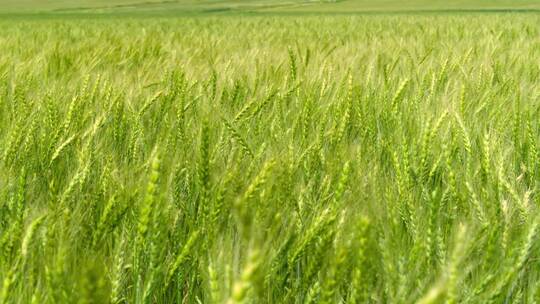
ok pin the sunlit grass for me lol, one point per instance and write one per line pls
(385, 159)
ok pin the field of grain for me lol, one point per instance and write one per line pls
(270, 159)
(176, 7)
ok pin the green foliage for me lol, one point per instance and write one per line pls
(337, 159)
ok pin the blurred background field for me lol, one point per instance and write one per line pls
(260, 6)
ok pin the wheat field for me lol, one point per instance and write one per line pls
(270, 159)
